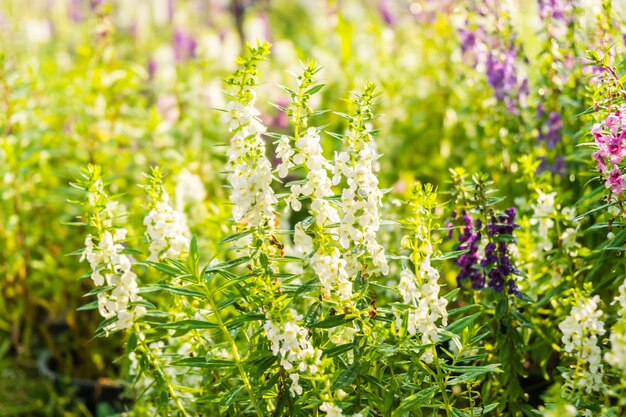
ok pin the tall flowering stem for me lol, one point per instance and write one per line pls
(166, 228)
(250, 171)
(485, 238)
(420, 289)
(582, 330)
(111, 266)
(362, 197)
(610, 134)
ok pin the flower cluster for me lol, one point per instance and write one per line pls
(297, 354)
(317, 186)
(610, 139)
(361, 198)
(557, 14)
(426, 307)
(332, 410)
(497, 258)
(332, 271)
(110, 266)
(581, 331)
(498, 57)
(250, 171)
(166, 230)
(470, 240)
(494, 262)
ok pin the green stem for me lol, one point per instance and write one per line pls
(155, 363)
(442, 384)
(233, 346)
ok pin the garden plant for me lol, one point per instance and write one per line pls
(412, 208)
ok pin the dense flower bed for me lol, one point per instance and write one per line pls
(428, 222)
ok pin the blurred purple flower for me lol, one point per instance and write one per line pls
(386, 12)
(184, 45)
(76, 11)
(550, 132)
(560, 10)
(152, 67)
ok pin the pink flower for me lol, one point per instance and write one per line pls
(616, 181)
(601, 162)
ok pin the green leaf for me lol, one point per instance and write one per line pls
(452, 294)
(459, 325)
(474, 373)
(187, 292)
(188, 325)
(462, 309)
(164, 268)
(330, 322)
(338, 350)
(202, 362)
(131, 345)
(193, 247)
(314, 90)
(348, 376)
(313, 314)
(90, 306)
(236, 236)
(230, 396)
(414, 401)
(228, 264)
(450, 255)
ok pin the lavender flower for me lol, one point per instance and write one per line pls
(76, 11)
(502, 76)
(469, 262)
(552, 132)
(184, 45)
(386, 12)
(556, 13)
(495, 263)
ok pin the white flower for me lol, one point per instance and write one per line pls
(581, 331)
(295, 388)
(303, 243)
(291, 342)
(284, 152)
(425, 305)
(544, 211)
(113, 268)
(166, 231)
(361, 198)
(332, 273)
(331, 410)
(308, 152)
(250, 173)
(189, 189)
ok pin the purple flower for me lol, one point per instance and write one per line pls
(550, 132)
(184, 45)
(76, 10)
(502, 76)
(496, 263)
(559, 10)
(386, 12)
